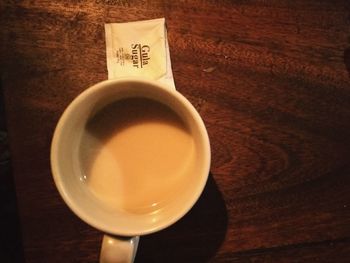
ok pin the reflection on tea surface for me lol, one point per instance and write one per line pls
(136, 154)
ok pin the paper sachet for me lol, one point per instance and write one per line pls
(139, 49)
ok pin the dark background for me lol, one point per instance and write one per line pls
(11, 247)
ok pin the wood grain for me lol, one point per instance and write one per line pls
(271, 80)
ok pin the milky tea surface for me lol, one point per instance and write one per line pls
(136, 154)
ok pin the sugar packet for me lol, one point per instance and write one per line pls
(139, 49)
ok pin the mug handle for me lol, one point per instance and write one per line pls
(118, 249)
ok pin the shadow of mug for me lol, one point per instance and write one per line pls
(194, 238)
(347, 51)
(347, 59)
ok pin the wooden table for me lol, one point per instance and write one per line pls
(271, 80)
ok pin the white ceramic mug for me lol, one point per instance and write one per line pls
(122, 229)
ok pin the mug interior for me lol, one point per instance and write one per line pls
(69, 177)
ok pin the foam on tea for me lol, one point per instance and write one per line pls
(136, 154)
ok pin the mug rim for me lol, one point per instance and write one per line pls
(87, 217)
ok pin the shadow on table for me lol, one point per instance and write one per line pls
(347, 52)
(11, 249)
(195, 238)
(347, 59)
